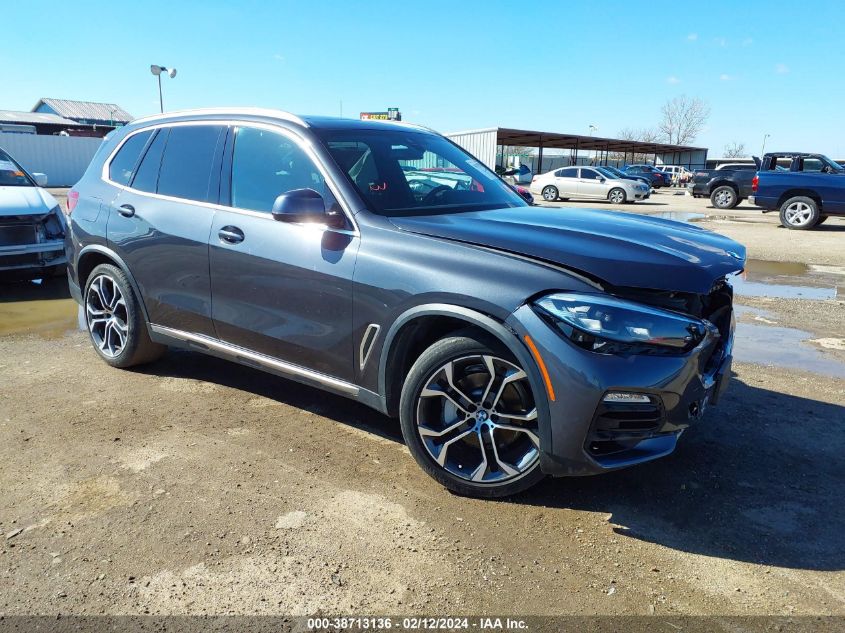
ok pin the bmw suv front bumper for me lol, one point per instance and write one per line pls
(589, 431)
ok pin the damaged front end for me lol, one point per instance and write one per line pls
(622, 426)
(32, 245)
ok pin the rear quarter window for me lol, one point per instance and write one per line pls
(146, 175)
(123, 163)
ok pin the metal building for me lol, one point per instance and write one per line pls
(486, 144)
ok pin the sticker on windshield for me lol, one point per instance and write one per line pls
(474, 163)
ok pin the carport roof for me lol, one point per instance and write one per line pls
(531, 138)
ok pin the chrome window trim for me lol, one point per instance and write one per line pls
(235, 352)
(301, 142)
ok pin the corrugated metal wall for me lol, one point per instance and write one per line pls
(694, 159)
(63, 158)
(479, 143)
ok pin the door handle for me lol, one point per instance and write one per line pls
(231, 235)
(126, 210)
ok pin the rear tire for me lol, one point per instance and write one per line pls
(799, 213)
(115, 320)
(724, 197)
(550, 193)
(450, 416)
(822, 219)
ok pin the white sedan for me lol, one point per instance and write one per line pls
(587, 182)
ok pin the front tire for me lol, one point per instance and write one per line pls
(115, 320)
(550, 193)
(469, 417)
(724, 197)
(617, 196)
(799, 213)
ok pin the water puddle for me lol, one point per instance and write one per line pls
(783, 347)
(38, 307)
(679, 216)
(784, 280)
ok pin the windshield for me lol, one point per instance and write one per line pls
(404, 172)
(11, 174)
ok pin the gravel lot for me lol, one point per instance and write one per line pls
(201, 487)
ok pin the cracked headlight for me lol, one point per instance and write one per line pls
(605, 324)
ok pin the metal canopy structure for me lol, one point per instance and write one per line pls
(482, 142)
(603, 146)
(528, 138)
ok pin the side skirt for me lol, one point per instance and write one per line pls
(243, 356)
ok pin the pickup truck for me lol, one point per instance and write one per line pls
(726, 188)
(804, 188)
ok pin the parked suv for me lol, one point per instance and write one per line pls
(510, 341)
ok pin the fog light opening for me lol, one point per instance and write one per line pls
(624, 397)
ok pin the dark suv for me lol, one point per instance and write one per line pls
(381, 262)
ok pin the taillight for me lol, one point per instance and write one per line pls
(72, 199)
(754, 182)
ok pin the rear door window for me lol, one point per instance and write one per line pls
(187, 162)
(146, 176)
(569, 172)
(123, 164)
(781, 163)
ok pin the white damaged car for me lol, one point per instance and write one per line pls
(32, 225)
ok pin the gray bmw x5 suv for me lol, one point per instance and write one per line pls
(381, 262)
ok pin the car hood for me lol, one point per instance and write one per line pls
(25, 201)
(621, 249)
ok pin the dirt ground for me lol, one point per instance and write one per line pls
(197, 486)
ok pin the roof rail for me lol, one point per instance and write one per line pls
(269, 112)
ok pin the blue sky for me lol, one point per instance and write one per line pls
(764, 66)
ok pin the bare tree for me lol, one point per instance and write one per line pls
(683, 118)
(643, 135)
(735, 150)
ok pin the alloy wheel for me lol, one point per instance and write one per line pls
(550, 194)
(724, 198)
(107, 316)
(798, 213)
(617, 197)
(477, 419)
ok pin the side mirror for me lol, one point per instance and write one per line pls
(304, 205)
(40, 179)
(602, 180)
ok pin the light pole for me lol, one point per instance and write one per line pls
(157, 70)
(763, 151)
(593, 128)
